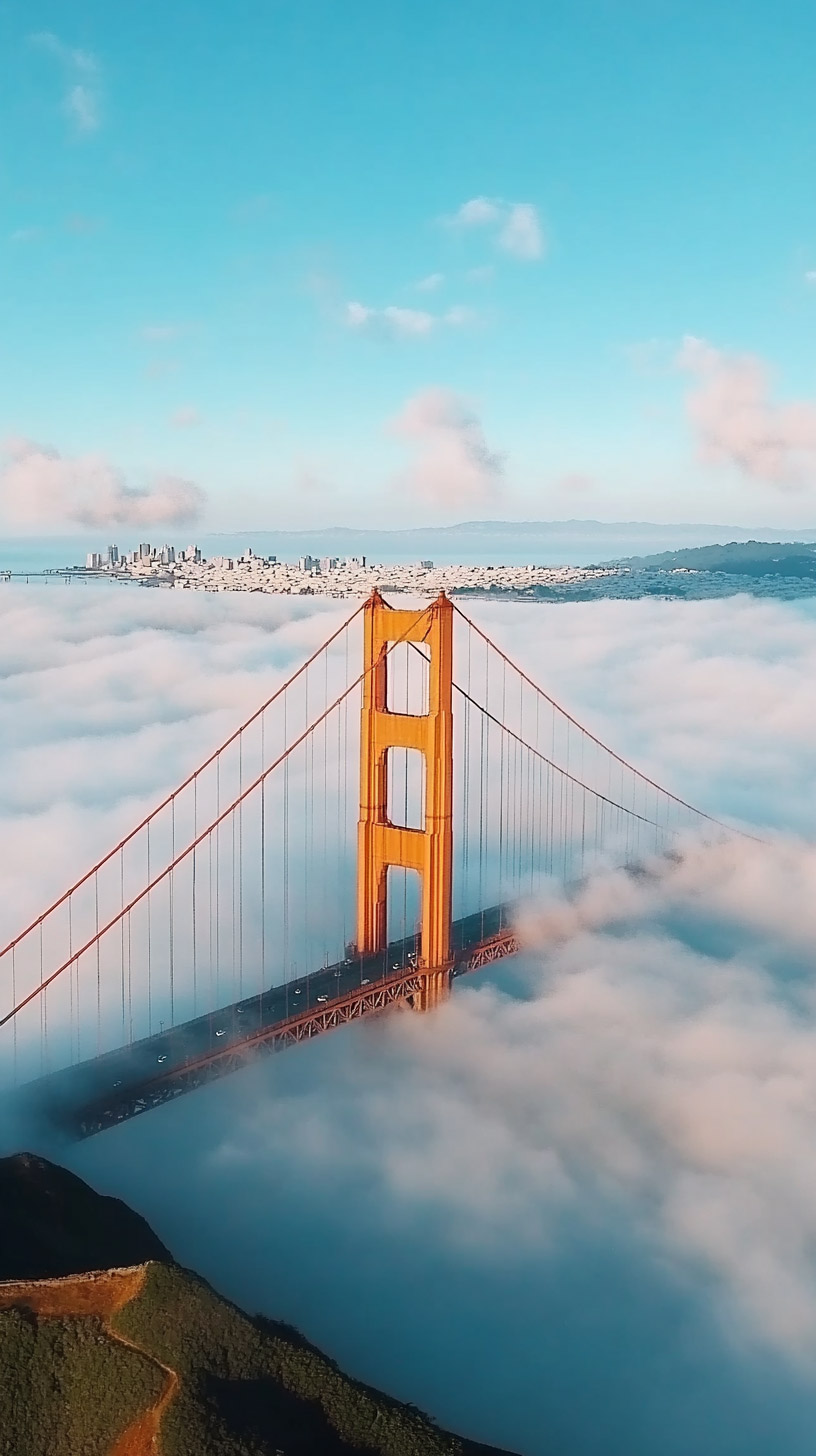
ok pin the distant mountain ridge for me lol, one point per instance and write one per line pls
(572, 542)
(143, 1357)
(554, 543)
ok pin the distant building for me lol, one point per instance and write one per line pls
(307, 563)
(329, 563)
(113, 556)
(426, 565)
(144, 550)
(93, 561)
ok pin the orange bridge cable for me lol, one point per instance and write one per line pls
(599, 742)
(205, 833)
(189, 780)
(570, 778)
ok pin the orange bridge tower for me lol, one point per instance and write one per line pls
(381, 843)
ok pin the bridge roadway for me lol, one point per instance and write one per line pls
(100, 1092)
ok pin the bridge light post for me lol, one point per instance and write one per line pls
(382, 844)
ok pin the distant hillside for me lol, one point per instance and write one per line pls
(739, 558)
(51, 1223)
(147, 1358)
(574, 542)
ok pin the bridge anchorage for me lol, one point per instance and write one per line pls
(264, 901)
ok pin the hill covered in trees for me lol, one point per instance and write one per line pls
(140, 1356)
(737, 558)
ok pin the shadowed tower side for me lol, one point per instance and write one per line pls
(382, 844)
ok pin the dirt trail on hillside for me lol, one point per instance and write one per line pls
(101, 1295)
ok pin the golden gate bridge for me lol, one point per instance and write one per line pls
(279, 892)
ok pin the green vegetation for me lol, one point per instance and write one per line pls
(66, 1388)
(247, 1387)
(252, 1386)
(740, 558)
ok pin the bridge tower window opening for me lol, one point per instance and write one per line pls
(408, 679)
(406, 775)
(404, 913)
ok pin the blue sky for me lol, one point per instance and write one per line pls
(214, 221)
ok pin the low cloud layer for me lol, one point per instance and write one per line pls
(430, 283)
(574, 1209)
(454, 465)
(38, 486)
(738, 423)
(656, 1053)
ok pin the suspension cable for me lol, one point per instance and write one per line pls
(283, 688)
(214, 826)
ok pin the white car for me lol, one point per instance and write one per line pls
(322, 998)
(222, 1031)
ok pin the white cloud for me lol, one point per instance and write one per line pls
(516, 226)
(642, 1070)
(40, 486)
(478, 212)
(81, 101)
(459, 317)
(738, 423)
(454, 464)
(403, 323)
(140, 684)
(521, 233)
(82, 108)
(390, 322)
(810, 276)
(595, 1172)
(431, 283)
